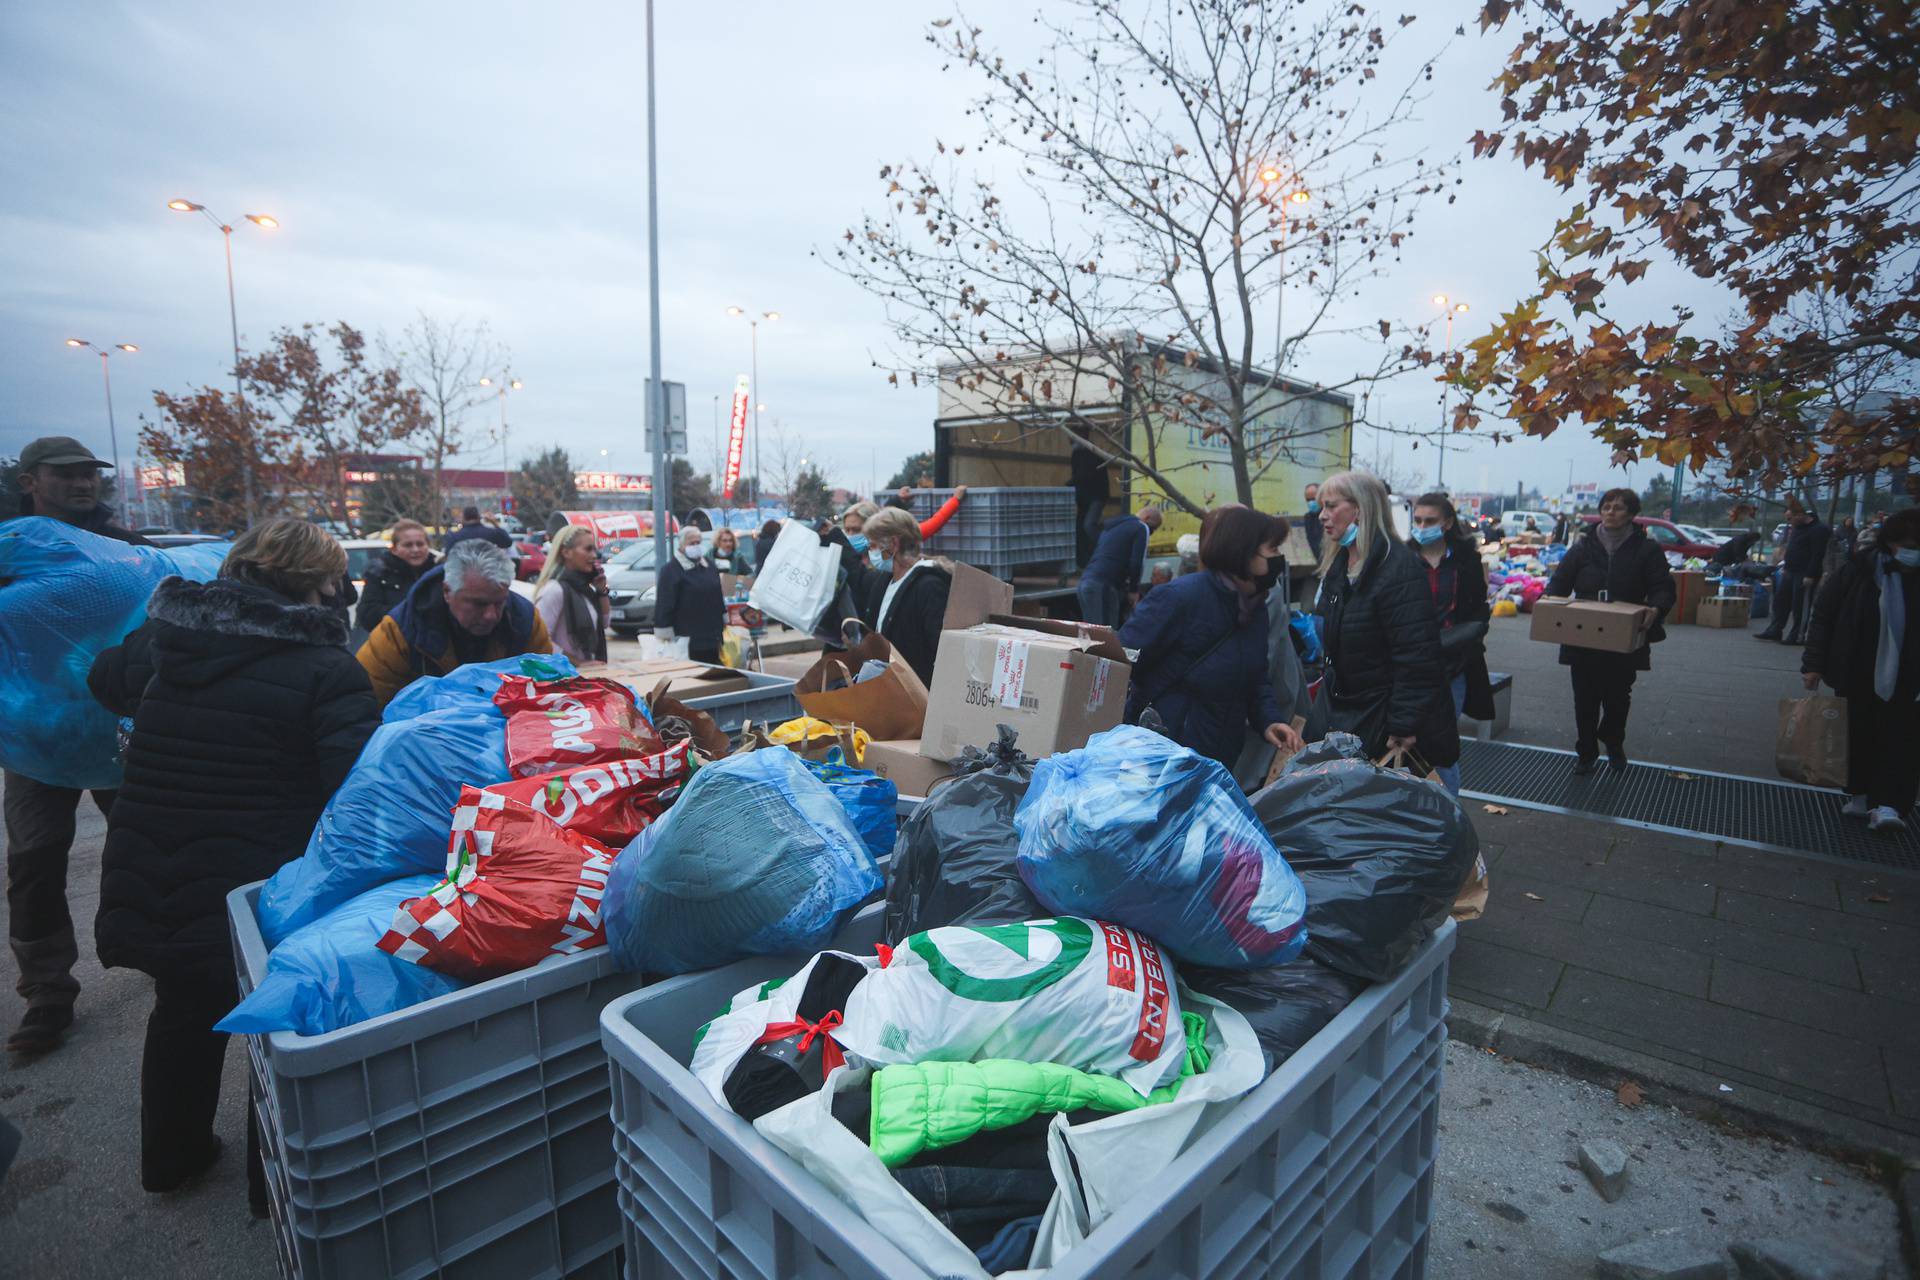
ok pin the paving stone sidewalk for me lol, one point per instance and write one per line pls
(1773, 982)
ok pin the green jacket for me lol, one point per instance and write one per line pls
(926, 1106)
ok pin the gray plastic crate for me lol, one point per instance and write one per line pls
(467, 1136)
(1002, 530)
(769, 702)
(1324, 1172)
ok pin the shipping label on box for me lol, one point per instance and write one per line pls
(1053, 684)
(1591, 624)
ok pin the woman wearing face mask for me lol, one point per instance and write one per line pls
(688, 601)
(1864, 641)
(570, 595)
(1458, 585)
(398, 568)
(1204, 666)
(900, 592)
(727, 556)
(1381, 629)
(1615, 561)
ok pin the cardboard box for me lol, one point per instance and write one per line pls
(1056, 684)
(1690, 588)
(901, 763)
(1591, 624)
(1724, 611)
(975, 596)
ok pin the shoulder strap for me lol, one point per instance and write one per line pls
(1193, 666)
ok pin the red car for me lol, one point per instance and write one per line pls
(1667, 536)
(533, 558)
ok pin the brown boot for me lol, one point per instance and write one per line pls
(41, 1030)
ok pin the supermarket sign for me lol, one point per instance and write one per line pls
(611, 482)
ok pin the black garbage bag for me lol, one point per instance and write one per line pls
(1288, 1004)
(1382, 854)
(955, 860)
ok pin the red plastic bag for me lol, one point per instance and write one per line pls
(519, 888)
(557, 724)
(611, 802)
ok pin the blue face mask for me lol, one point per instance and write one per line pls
(1313, 505)
(882, 563)
(1353, 531)
(858, 541)
(1909, 557)
(1427, 535)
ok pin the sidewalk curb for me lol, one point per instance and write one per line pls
(1536, 1044)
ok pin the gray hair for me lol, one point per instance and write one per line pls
(472, 555)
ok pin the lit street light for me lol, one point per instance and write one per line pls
(1271, 177)
(753, 374)
(1446, 390)
(113, 436)
(502, 387)
(265, 223)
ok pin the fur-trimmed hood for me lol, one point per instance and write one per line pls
(203, 630)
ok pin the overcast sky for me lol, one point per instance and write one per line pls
(488, 161)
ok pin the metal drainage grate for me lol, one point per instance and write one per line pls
(1781, 817)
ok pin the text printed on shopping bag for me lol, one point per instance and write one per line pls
(1152, 971)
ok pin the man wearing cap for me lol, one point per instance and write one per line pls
(59, 478)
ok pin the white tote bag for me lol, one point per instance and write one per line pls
(798, 579)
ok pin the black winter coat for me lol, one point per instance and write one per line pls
(690, 601)
(99, 520)
(1382, 638)
(1463, 641)
(388, 581)
(913, 624)
(1204, 668)
(1844, 637)
(1635, 574)
(248, 711)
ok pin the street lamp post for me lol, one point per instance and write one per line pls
(1446, 391)
(113, 436)
(1271, 177)
(502, 386)
(265, 223)
(753, 373)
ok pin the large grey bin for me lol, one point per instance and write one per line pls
(467, 1136)
(1323, 1172)
(769, 702)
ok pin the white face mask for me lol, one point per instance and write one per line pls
(693, 551)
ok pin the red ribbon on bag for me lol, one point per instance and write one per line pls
(830, 1054)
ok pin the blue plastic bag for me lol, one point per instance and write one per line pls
(1136, 829)
(329, 974)
(869, 799)
(392, 814)
(1306, 633)
(473, 685)
(66, 595)
(756, 857)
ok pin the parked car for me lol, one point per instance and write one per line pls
(362, 553)
(630, 582)
(1669, 537)
(1514, 523)
(533, 558)
(1706, 537)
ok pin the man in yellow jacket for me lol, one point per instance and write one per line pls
(463, 611)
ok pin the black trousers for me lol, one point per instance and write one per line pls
(1883, 751)
(180, 1070)
(40, 821)
(1794, 608)
(704, 651)
(1088, 513)
(1602, 694)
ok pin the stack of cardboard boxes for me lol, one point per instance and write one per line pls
(1054, 683)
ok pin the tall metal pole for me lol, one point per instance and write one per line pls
(657, 397)
(113, 437)
(1446, 393)
(506, 477)
(239, 396)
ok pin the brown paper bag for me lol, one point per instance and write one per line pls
(1811, 746)
(708, 738)
(1471, 902)
(1409, 760)
(891, 705)
(1282, 756)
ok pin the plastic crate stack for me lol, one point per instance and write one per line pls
(1002, 530)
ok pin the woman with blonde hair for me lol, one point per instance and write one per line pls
(248, 710)
(570, 595)
(900, 592)
(1380, 628)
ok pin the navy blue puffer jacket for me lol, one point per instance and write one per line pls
(1206, 695)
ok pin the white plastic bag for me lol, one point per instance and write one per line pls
(798, 579)
(653, 647)
(1117, 1156)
